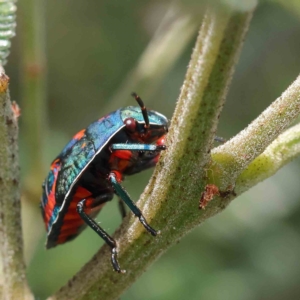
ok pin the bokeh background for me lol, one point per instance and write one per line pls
(95, 53)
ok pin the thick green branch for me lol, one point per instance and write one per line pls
(11, 243)
(171, 198)
(234, 156)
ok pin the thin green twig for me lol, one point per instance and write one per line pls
(285, 148)
(34, 129)
(33, 79)
(233, 157)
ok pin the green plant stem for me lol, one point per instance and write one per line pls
(285, 148)
(34, 129)
(13, 279)
(279, 153)
(34, 118)
(234, 156)
(170, 201)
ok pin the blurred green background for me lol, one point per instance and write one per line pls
(251, 250)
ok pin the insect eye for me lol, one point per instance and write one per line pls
(130, 124)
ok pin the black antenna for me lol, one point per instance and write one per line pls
(143, 108)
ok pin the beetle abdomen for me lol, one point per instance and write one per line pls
(69, 224)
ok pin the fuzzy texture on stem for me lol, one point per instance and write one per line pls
(279, 153)
(285, 148)
(233, 157)
(13, 279)
(170, 201)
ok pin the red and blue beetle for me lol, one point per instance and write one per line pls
(90, 169)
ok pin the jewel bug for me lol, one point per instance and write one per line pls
(90, 169)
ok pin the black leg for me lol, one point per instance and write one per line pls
(120, 191)
(219, 139)
(105, 236)
(122, 208)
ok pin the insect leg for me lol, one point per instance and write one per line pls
(104, 235)
(219, 139)
(122, 208)
(120, 191)
(138, 147)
